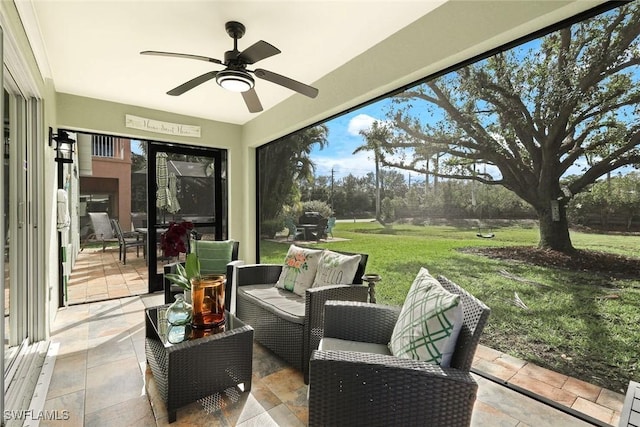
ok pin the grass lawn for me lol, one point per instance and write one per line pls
(578, 323)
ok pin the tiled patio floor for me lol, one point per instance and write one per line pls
(277, 394)
(99, 275)
(597, 402)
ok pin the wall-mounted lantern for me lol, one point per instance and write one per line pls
(64, 146)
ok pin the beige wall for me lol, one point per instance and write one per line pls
(93, 115)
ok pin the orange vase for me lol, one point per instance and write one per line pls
(207, 296)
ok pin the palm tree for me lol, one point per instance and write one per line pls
(282, 164)
(375, 136)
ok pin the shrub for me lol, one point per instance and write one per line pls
(317, 206)
(270, 227)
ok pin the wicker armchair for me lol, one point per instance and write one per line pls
(293, 341)
(354, 388)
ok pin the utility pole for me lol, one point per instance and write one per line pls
(332, 171)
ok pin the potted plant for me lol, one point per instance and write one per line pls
(173, 243)
(185, 273)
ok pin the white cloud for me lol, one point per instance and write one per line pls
(358, 164)
(360, 122)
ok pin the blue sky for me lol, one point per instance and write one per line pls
(344, 138)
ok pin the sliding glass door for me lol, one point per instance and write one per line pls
(184, 183)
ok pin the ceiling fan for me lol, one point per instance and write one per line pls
(236, 77)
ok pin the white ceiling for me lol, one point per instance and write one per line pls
(91, 48)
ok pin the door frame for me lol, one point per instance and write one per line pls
(220, 213)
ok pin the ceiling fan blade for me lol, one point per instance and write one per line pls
(181, 55)
(192, 83)
(257, 52)
(251, 99)
(278, 79)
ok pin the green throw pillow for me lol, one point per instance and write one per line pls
(429, 322)
(214, 255)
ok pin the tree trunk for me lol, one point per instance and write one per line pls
(378, 217)
(554, 229)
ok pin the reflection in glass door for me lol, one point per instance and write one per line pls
(9, 350)
(24, 302)
(184, 184)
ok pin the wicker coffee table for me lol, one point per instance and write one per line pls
(197, 365)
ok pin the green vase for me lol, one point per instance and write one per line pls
(179, 313)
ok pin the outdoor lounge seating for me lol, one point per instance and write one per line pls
(289, 323)
(320, 231)
(128, 240)
(331, 223)
(102, 230)
(312, 226)
(355, 380)
(294, 233)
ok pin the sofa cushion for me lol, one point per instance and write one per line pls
(336, 269)
(282, 303)
(345, 345)
(429, 322)
(299, 269)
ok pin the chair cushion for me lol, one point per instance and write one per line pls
(429, 322)
(299, 269)
(336, 269)
(280, 302)
(213, 255)
(346, 345)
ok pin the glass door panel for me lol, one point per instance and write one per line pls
(18, 284)
(9, 350)
(185, 184)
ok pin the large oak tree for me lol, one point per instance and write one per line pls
(567, 102)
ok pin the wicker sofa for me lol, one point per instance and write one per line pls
(288, 324)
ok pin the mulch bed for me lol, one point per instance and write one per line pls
(601, 263)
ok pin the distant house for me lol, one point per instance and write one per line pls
(105, 178)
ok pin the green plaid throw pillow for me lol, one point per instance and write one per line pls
(429, 322)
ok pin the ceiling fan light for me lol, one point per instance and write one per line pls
(233, 80)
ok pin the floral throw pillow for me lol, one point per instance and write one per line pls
(429, 322)
(299, 269)
(336, 269)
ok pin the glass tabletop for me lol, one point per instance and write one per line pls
(174, 334)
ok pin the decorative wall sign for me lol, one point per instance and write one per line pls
(157, 126)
